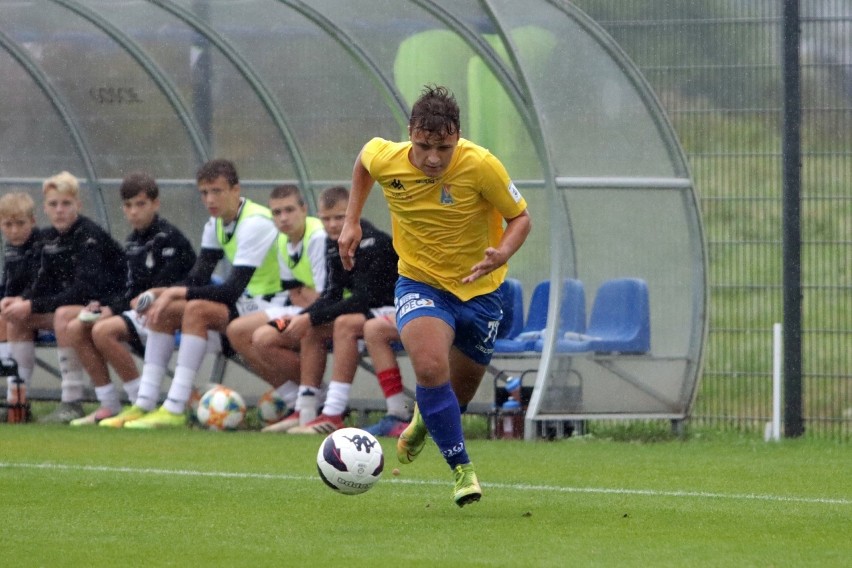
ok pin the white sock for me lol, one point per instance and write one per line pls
(159, 348)
(336, 399)
(191, 352)
(180, 391)
(158, 351)
(5, 350)
(132, 389)
(289, 391)
(108, 397)
(189, 359)
(149, 386)
(400, 405)
(306, 404)
(23, 352)
(72, 374)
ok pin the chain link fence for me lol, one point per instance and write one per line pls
(716, 68)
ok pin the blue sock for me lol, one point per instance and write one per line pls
(440, 410)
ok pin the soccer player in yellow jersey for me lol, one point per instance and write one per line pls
(449, 200)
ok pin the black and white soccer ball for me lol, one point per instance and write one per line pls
(350, 461)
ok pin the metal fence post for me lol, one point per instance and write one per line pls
(791, 149)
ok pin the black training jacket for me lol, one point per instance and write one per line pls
(20, 265)
(159, 256)
(370, 284)
(80, 265)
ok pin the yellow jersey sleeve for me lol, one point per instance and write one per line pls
(442, 226)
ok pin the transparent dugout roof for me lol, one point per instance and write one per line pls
(290, 91)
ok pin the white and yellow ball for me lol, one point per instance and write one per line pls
(221, 408)
(271, 408)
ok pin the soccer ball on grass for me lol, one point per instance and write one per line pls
(271, 408)
(221, 408)
(350, 461)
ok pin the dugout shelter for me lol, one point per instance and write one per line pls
(290, 90)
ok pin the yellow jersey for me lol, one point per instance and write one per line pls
(442, 226)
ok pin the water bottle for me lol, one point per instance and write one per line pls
(19, 408)
(511, 410)
(513, 388)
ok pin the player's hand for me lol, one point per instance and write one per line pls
(143, 301)
(154, 313)
(493, 259)
(8, 301)
(18, 310)
(280, 324)
(91, 313)
(298, 326)
(348, 242)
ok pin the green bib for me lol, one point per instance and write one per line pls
(302, 270)
(265, 280)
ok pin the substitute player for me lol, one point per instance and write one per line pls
(302, 269)
(448, 200)
(241, 231)
(158, 254)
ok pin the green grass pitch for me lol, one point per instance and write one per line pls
(96, 497)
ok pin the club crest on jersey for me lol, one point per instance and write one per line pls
(446, 196)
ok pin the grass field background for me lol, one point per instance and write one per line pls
(96, 497)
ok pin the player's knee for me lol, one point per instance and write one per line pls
(75, 331)
(265, 337)
(348, 326)
(237, 334)
(105, 333)
(431, 371)
(203, 313)
(64, 316)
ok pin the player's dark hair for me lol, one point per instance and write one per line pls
(217, 168)
(139, 182)
(436, 112)
(332, 196)
(286, 190)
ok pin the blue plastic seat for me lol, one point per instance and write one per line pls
(620, 321)
(513, 309)
(572, 316)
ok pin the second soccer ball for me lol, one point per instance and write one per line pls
(221, 408)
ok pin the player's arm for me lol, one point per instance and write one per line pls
(174, 254)
(202, 270)
(255, 236)
(226, 293)
(199, 275)
(321, 310)
(350, 236)
(90, 260)
(303, 296)
(517, 229)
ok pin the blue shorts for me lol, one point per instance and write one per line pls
(475, 321)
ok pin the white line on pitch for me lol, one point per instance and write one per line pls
(510, 486)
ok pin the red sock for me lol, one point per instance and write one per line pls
(391, 381)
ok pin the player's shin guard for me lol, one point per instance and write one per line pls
(440, 410)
